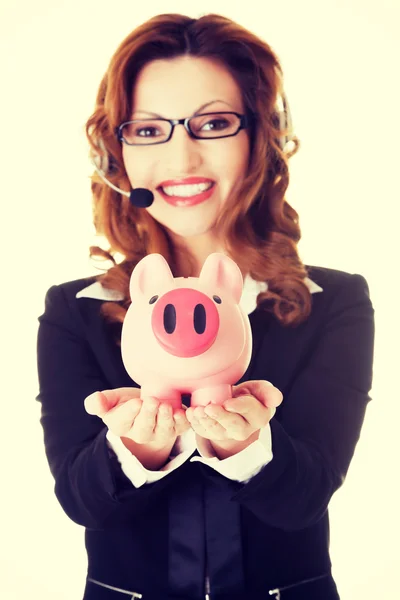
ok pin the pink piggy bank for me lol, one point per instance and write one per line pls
(186, 335)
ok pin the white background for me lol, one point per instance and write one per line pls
(340, 60)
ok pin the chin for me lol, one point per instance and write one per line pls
(192, 229)
(189, 227)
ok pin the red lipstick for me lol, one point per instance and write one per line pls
(187, 201)
(186, 181)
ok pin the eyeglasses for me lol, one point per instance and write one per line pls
(143, 132)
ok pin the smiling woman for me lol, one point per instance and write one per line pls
(195, 68)
(202, 502)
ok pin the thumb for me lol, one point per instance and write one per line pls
(263, 390)
(96, 404)
(99, 403)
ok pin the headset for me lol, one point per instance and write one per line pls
(143, 198)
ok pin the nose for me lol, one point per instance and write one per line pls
(185, 322)
(183, 151)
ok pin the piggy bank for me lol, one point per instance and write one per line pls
(186, 335)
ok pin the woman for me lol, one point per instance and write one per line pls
(222, 502)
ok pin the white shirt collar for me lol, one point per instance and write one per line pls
(251, 289)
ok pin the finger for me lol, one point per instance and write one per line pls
(120, 419)
(197, 418)
(235, 426)
(195, 423)
(96, 404)
(209, 434)
(253, 411)
(201, 415)
(165, 424)
(133, 392)
(100, 402)
(211, 426)
(181, 422)
(262, 389)
(273, 398)
(190, 416)
(189, 413)
(145, 422)
(245, 406)
(180, 412)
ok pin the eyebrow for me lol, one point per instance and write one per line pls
(198, 111)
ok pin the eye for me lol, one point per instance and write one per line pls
(140, 130)
(153, 299)
(149, 131)
(212, 124)
(148, 128)
(217, 299)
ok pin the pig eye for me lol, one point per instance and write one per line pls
(153, 299)
(217, 299)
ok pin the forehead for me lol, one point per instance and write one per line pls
(181, 85)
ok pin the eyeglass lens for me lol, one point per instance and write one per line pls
(150, 131)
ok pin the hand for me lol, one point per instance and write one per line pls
(239, 419)
(146, 421)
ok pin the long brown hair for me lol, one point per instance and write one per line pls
(260, 230)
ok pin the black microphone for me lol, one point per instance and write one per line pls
(140, 197)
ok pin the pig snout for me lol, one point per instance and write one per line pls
(185, 322)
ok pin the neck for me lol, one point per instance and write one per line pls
(191, 253)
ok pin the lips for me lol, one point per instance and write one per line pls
(187, 201)
(187, 181)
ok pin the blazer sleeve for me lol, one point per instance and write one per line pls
(320, 419)
(89, 482)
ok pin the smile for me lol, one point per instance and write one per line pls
(187, 195)
(185, 191)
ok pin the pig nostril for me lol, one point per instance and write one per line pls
(153, 299)
(169, 318)
(217, 299)
(199, 318)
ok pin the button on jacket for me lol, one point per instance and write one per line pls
(259, 535)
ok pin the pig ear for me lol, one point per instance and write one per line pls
(221, 271)
(149, 275)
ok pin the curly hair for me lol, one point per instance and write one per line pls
(260, 230)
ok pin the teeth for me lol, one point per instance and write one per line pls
(186, 190)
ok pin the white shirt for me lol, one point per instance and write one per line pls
(239, 467)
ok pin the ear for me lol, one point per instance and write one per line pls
(221, 271)
(149, 275)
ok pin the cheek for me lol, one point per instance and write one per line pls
(128, 164)
(136, 167)
(234, 159)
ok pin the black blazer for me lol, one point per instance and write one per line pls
(268, 534)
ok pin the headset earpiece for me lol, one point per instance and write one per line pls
(101, 161)
(283, 120)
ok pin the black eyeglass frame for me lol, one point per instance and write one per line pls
(245, 122)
